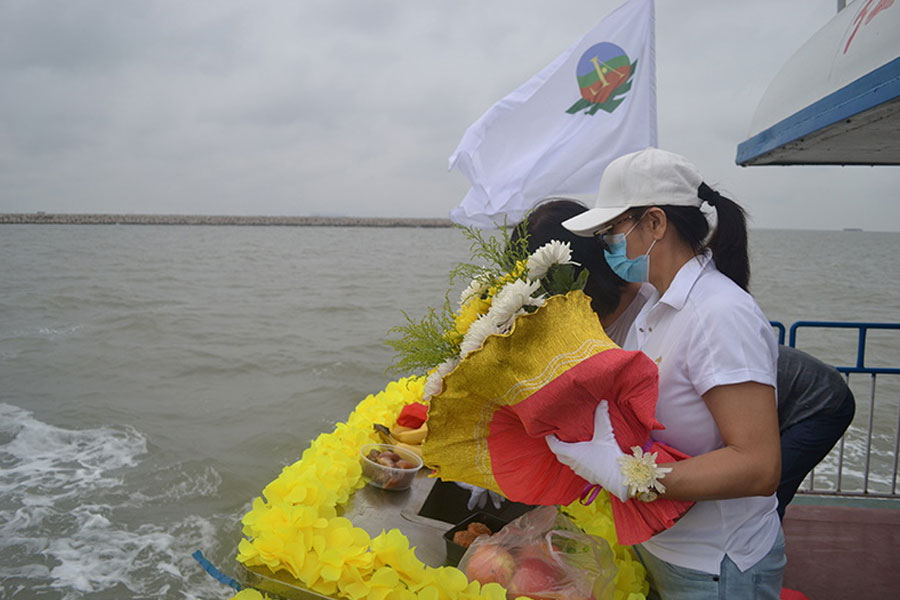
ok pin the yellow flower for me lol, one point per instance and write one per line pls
(249, 594)
(518, 272)
(448, 582)
(354, 591)
(383, 582)
(392, 549)
(326, 588)
(400, 594)
(339, 545)
(467, 314)
(493, 591)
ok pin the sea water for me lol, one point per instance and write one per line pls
(154, 379)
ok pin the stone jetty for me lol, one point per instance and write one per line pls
(41, 218)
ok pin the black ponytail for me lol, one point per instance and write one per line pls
(728, 242)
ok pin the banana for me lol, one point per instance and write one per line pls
(389, 436)
(384, 433)
(408, 435)
(402, 428)
(415, 449)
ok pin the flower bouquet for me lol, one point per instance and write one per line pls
(525, 356)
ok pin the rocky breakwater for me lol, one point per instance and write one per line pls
(41, 218)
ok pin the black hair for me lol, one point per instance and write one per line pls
(544, 223)
(729, 240)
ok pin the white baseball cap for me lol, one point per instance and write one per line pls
(648, 177)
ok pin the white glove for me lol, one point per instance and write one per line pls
(595, 460)
(479, 496)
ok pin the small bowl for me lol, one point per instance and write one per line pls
(385, 477)
(455, 551)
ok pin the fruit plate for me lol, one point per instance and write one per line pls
(455, 551)
(398, 476)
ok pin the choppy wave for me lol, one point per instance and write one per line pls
(854, 477)
(64, 525)
(45, 333)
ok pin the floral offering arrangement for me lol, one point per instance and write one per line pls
(513, 283)
(294, 527)
(526, 357)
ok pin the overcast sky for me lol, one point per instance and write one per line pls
(352, 108)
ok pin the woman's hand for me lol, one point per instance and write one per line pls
(597, 459)
(749, 464)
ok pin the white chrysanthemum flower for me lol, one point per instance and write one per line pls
(538, 301)
(434, 383)
(642, 475)
(476, 287)
(448, 365)
(511, 298)
(478, 331)
(552, 253)
(507, 325)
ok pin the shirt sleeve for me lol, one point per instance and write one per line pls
(735, 344)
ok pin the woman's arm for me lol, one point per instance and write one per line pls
(750, 462)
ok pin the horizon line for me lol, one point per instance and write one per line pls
(45, 218)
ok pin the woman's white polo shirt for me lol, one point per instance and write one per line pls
(704, 332)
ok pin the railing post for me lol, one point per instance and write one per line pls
(861, 348)
(841, 450)
(780, 327)
(869, 435)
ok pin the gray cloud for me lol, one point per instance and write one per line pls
(353, 107)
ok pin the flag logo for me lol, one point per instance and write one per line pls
(604, 74)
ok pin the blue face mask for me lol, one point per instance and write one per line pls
(635, 270)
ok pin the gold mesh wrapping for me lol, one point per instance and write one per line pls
(506, 370)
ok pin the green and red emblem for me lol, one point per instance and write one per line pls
(604, 75)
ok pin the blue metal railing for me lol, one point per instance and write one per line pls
(779, 326)
(862, 330)
(860, 367)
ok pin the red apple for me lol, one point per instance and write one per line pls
(490, 563)
(535, 575)
(537, 550)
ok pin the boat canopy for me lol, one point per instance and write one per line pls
(837, 100)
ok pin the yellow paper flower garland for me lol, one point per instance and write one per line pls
(295, 527)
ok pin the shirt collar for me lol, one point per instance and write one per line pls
(685, 279)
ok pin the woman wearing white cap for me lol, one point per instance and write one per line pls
(658, 222)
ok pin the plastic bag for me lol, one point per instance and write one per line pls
(544, 556)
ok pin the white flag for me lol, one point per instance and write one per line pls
(556, 133)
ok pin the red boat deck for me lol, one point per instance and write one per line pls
(839, 549)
